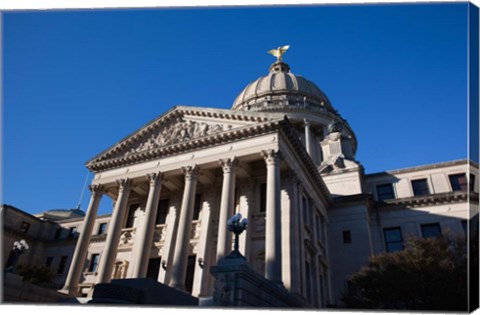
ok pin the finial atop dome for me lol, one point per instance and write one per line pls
(279, 52)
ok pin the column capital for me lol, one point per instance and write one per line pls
(306, 123)
(229, 164)
(96, 189)
(123, 184)
(271, 156)
(191, 172)
(155, 178)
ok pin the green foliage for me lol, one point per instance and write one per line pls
(429, 274)
(35, 274)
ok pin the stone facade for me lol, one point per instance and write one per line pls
(284, 159)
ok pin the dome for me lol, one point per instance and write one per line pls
(281, 89)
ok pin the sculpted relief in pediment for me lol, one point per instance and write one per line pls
(175, 133)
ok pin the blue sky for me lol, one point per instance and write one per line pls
(76, 82)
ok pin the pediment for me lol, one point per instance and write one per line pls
(179, 126)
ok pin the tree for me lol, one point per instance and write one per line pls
(36, 274)
(429, 274)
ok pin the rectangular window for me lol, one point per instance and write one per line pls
(93, 263)
(305, 210)
(102, 228)
(72, 232)
(131, 216)
(24, 227)
(153, 268)
(58, 233)
(420, 187)
(308, 277)
(347, 237)
(465, 226)
(319, 227)
(162, 211)
(458, 182)
(190, 273)
(197, 206)
(385, 192)
(263, 197)
(431, 230)
(62, 264)
(393, 239)
(48, 262)
(472, 182)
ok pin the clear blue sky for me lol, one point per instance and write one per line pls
(76, 82)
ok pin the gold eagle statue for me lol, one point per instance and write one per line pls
(279, 52)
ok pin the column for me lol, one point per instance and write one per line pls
(308, 139)
(224, 239)
(113, 235)
(180, 255)
(80, 254)
(144, 235)
(273, 255)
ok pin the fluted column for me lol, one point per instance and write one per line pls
(180, 256)
(224, 239)
(144, 236)
(80, 254)
(273, 245)
(113, 235)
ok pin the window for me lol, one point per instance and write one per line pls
(61, 265)
(308, 277)
(472, 182)
(319, 228)
(24, 227)
(431, 230)
(347, 237)
(153, 268)
(162, 211)
(93, 263)
(465, 226)
(102, 229)
(385, 191)
(393, 239)
(458, 182)
(73, 232)
(190, 273)
(197, 206)
(58, 233)
(305, 210)
(48, 262)
(131, 216)
(420, 187)
(263, 197)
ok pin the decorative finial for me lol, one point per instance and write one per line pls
(279, 52)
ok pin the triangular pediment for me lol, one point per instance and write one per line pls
(180, 125)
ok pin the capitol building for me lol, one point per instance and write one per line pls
(283, 158)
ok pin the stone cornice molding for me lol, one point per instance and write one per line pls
(428, 200)
(228, 136)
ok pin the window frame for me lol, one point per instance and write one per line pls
(458, 187)
(385, 185)
(416, 192)
(429, 225)
(387, 242)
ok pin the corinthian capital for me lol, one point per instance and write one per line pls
(191, 172)
(228, 165)
(96, 189)
(123, 184)
(155, 178)
(271, 156)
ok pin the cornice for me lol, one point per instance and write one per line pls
(182, 147)
(428, 200)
